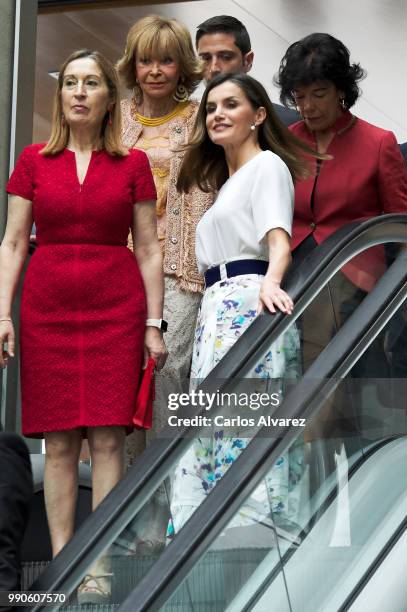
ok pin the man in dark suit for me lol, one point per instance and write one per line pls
(223, 44)
(16, 489)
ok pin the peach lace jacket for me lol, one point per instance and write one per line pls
(183, 210)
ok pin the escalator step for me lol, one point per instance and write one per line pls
(90, 608)
(211, 584)
(30, 572)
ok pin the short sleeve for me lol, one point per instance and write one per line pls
(143, 182)
(21, 182)
(272, 196)
(392, 176)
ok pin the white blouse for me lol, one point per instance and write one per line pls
(255, 199)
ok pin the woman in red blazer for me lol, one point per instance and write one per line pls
(365, 176)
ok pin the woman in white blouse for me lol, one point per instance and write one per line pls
(240, 148)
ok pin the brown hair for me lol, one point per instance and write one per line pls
(155, 36)
(110, 132)
(204, 163)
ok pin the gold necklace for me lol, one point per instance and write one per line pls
(155, 121)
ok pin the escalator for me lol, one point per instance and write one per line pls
(325, 549)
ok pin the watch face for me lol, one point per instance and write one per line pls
(164, 325)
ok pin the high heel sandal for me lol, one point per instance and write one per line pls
(98, 594)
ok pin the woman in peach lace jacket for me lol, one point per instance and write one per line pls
(159, 65)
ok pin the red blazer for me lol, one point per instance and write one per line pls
(366, 177)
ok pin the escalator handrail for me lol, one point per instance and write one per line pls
(130, 494)
(304, 400)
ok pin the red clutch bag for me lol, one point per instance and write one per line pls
(143, 413)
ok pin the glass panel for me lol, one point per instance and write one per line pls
(127, 559)
(245, 552)
(364, 499)
(326, 508)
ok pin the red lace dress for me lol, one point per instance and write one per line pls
(83, 306)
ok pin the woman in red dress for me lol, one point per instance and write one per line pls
(86, 297)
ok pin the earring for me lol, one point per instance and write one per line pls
(181, 93)
(253, 127)
(342, 103)
(137, 93)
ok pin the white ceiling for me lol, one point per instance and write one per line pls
(374, 30)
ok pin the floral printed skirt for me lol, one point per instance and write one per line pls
(228, 308)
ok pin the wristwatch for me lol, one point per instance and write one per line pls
(160, 323)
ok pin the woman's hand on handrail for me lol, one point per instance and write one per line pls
(273, 297)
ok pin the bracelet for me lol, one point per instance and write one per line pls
(6, 319)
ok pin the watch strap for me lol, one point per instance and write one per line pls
(159, 323)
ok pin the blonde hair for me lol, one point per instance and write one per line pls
(110, 132)
(155, 36)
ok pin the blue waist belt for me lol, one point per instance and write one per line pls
(235, 268)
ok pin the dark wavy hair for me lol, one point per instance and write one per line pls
(204, 163)
(318, 57)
